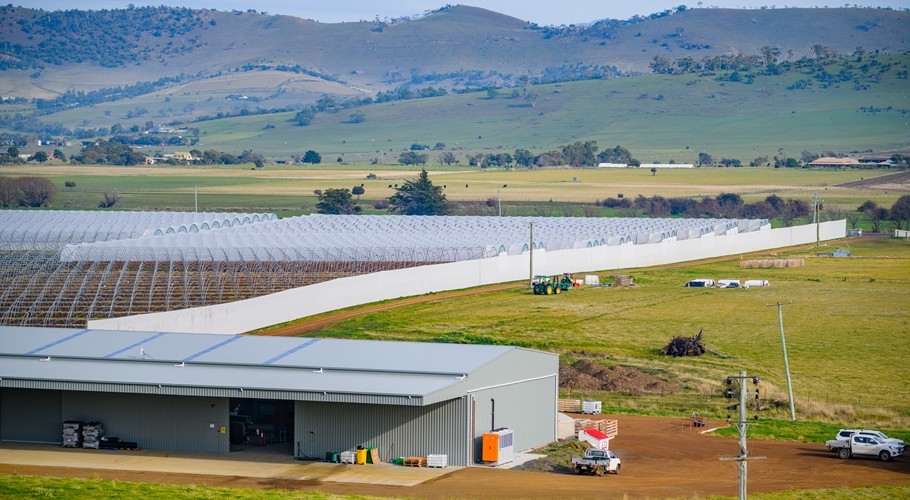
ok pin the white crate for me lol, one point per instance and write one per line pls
(591, 407)
(437, 460)
(346, 457)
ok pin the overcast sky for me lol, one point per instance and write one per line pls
(543, 12)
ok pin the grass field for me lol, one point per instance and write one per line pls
(14, 486)
(845, 322)
(289, 190)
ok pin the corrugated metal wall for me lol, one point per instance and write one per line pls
(395, 431)
(528, 408)
(174, 423)
(30, 416)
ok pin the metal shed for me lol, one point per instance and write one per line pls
(176, 391)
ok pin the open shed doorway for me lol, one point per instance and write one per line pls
(265, 425)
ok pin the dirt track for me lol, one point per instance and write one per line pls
(661, 459)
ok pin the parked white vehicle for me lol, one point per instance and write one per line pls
(844, 435)
(867, 445)
(597, 462)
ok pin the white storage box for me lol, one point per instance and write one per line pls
(591, 407)
(346, 457)
(437, 460)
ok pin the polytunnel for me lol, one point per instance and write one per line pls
(63, 268)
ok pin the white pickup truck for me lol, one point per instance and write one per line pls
(597, 462)
(864, 444)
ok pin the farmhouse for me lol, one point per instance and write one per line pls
(177, 391)
(828, 162)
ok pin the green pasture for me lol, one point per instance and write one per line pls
(289, 190)
(845, 324)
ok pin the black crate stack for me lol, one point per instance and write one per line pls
(72, 434)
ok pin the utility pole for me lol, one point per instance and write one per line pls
(531, 270)
(742, 424)
(817, 230)
(783, 343)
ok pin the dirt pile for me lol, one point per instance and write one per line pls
(585, 374)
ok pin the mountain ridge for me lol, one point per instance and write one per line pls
(144, 44)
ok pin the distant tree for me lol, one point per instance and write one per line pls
(705, 159)
(69, 185)
(39, 156)
(792, 211)
(248, 156)
(413, 158)
(523, 157)
(618, 154)
(419, 147)
(8, 192)
(448, 158)
(900, 212)
(653, 171)
(729, 205)
(34, 192)
(59, 155)
(336, 202)
(439, 146)
(312, 157)
(305, 116)
(111, 199)
(358, 191)
(357, 117)
(419, 197)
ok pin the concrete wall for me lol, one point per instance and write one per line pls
(259, 312)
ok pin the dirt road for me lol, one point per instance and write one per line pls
(661, 459)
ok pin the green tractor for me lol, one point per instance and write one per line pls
(567, 281)
(546, 285)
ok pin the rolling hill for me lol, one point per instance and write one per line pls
(153, 66)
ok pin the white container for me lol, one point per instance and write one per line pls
(591, 407)
(437, 460)
(756, 283)
(346, 457)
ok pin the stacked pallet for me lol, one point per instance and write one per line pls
(608, 427)
(72, 434)
(568, 405)
(414, 461)
(92, 433)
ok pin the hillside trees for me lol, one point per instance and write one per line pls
(419, 197)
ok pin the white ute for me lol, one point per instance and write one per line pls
(597, 462)
(864, 444)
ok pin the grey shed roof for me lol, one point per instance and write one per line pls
(410, 373)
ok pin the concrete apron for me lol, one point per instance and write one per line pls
(234, 464)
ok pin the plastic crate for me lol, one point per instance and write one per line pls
(346, 457)
(437, 460)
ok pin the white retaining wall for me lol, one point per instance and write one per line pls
(259, 312)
